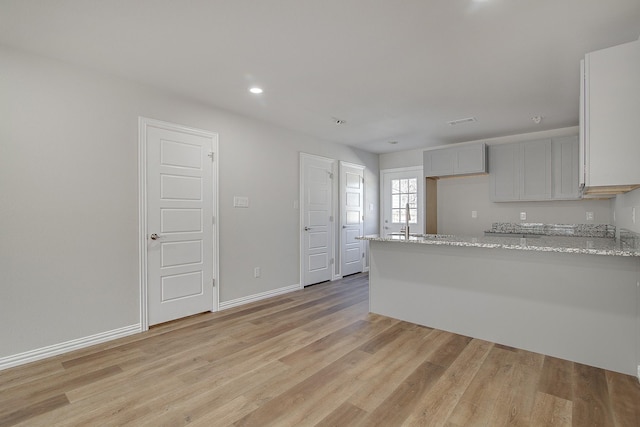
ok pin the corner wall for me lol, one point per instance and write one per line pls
(623, 205)
(69, 209)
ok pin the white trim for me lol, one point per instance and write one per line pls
(67, 346)
(383, 172)
(339, 202)
(257, 297)
(334, 188)
(352, 165)
(143, 123)
(365, 269)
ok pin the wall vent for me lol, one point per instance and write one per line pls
(460, 121)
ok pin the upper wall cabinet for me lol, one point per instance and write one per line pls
(520, 171)
(545, 169)
(565, 168)
(610, 120)
(465, 159)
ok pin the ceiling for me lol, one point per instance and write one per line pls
(392, 70)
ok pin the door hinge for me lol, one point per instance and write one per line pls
(213, 283)
(362, 254)
(331, 261)
(330, 175)
(213, 220)
(331, 218)
(211, 155)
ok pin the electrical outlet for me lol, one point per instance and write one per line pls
(523, 216)
(256, 272)
(474, 214)
(589, 216)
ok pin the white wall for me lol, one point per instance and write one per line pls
(623, 205)
(69, 209)
(457, 197)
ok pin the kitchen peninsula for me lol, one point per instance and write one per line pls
(575, 298)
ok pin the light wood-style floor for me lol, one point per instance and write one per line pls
(307, 358)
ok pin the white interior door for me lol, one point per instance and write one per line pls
(351, 218)
(180, 214)
(316, 218)
(399, 187)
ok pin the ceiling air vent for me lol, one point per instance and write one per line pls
(460, 121)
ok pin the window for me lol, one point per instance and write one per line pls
(404, 191)
(398, 187)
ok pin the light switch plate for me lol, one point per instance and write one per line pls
(523, 216)
(240, 202)
(589, 216)
(474, 214)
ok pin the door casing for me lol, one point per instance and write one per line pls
(143, 123)
(342, 225)
(333, 223)
(384, 203)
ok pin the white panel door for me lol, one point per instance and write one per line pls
(317, 241)
(351, 218)
(399, 187)
(180, 207)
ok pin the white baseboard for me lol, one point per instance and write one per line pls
(365, 270)
(257, 297)
(64, 347)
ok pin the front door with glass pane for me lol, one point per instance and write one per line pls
(402, 186)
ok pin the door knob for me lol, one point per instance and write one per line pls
(307, 228)
(344, 226)
(154, 236)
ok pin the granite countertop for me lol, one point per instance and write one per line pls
(626, 245)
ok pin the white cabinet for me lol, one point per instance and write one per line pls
(465, 159)
(565, 161)
(535, 170)
(504, 175)
(610, 119)
(520, 171)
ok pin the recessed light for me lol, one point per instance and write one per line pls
(339, 121)
(393, 142)
(256, 90)
(536, 119)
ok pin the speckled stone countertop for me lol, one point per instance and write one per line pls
(575, 230)
(628, 245)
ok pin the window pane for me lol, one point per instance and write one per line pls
(395, 216)
(404, 199)
(413, 185)
(403, 217)
(404, 185)
(395, 185)
(413, 200)
(414, 216)
(395, 202)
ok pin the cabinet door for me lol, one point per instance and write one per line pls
(535, 170)
(438, 162)
(469, 159)
(504, 172)
(612, 111)
(565, 168)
